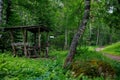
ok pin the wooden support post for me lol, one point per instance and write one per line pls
(35, 39)
(39, 41)
(25, 41)
(26, 35)
(12, 41)
(47, 45)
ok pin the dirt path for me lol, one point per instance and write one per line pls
(114, 57)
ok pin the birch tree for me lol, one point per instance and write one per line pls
(78, 35)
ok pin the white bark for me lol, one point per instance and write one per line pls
(98, 33)
(78, 35)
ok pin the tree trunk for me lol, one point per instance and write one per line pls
(1, 11)
(90, 33)
(8, 11)
(66, 33)
(98, 33)
(66, 40)
(111, 35)
(1, 8)
(78, 35)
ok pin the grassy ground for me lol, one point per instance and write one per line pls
(48, 69)
(31, 69)
(113, 49)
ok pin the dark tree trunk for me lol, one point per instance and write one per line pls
(1, 6)
(8, 11)
(78, 35)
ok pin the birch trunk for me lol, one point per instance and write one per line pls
(78, 35)
(98, 33)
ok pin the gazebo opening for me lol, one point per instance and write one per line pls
(30, 48)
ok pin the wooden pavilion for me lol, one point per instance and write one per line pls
(24, 45)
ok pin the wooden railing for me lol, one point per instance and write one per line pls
(19, 44)
(31, 50)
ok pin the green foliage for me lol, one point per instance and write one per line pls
(112, 49)
(61, 16)
(59, 41)
(15, 68)
(88, 61)
(25, 69)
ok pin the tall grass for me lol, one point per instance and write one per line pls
(113, 49)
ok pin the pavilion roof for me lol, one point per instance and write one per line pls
(33, 29)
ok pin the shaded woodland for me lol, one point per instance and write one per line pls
(65, 29)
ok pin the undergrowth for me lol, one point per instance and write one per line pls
(87, 62)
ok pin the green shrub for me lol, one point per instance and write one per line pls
(92, 68)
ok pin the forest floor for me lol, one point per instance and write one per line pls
(89, 62)
(114, 57)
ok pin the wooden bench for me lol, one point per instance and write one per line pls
(31, 50)
(18, 46)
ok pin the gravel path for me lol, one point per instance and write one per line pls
(109, 55)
